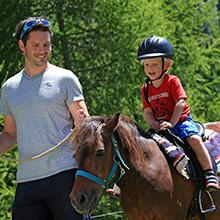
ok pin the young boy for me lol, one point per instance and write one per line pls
(164, 102)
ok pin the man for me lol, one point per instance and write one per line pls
(40, 105)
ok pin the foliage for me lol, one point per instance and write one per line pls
(108, 209)
(98, 40)
(195, 36)
(7, 185)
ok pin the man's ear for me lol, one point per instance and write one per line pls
(21, 46)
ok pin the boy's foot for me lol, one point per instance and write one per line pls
(112, 193)
(115, 192)
(212, 183)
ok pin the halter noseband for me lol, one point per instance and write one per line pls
(118, 162)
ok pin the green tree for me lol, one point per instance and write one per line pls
(194, 32)
(98, 40)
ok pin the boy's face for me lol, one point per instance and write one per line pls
(153, 67)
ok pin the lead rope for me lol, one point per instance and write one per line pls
(70, 136)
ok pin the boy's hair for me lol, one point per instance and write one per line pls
(38, 26)
(165, 60)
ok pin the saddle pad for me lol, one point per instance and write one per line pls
(173, 153)
(177, 156)
(213, 146)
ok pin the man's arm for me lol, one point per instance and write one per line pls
(78, 111)
(8, 135)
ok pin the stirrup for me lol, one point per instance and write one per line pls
(211, 208)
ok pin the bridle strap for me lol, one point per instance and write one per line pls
(90, 176)
(117, 152)
(118, 162)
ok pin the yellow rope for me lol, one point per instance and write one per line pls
(70, 136)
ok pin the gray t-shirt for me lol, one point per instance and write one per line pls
(39, 106)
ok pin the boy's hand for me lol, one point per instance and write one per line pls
(164, 125)
(155, 126)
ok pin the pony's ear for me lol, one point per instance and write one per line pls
(112, 124)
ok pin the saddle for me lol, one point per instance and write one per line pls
(183, 158)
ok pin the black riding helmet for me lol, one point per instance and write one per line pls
(155, 46)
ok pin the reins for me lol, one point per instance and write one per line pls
(118, 163)
(68, 137)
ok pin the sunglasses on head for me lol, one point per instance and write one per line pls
(29, 24)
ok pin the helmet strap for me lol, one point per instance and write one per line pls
(163, 71)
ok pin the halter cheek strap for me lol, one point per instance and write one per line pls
(118, 162)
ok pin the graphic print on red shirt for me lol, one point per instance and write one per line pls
(162, 100)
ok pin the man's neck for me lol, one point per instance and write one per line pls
(34, 70)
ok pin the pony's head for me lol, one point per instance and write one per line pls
(94, 155)
(105, 149)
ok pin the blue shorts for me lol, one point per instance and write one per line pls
(185, 128)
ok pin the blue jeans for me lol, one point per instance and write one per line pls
(46, 199)
(185, 128)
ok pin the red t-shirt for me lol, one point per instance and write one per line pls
(162, 100)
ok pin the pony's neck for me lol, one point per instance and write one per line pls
(153, 167)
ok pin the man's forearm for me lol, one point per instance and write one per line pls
(7, 142)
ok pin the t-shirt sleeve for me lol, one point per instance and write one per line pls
(177, 90)
(144, 102)
(73, 89)
(4, 107)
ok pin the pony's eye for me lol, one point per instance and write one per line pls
(99, 153)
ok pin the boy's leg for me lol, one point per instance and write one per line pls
(201, 152)
(188, 130)
(203, 157)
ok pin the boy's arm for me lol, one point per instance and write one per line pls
(150, 119)
(177, 112)
(175, 116)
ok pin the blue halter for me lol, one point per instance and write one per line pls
(118, 162)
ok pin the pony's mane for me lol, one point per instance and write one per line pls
(127, 131)
(138, 152)
(144, 155)
(87, 133)
(129, 134)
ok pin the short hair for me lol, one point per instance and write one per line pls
(38, 26)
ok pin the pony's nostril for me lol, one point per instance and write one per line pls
(82, 199)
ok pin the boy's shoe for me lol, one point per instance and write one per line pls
(112, 193)
(115, 192)
(212, 182)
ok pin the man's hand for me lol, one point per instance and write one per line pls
(79, 116)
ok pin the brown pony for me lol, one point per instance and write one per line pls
(150, 188)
